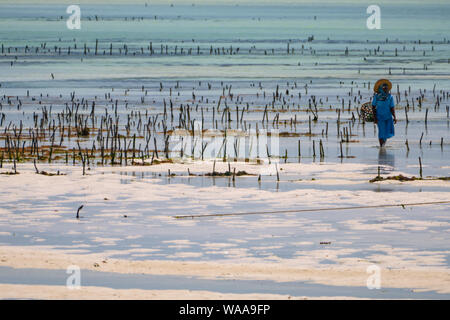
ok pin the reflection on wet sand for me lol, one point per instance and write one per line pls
(386, 160)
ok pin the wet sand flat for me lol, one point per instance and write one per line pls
(331, 248)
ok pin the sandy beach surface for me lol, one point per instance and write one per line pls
(320, 251)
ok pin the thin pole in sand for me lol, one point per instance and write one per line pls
(78, 211)
(420, 167)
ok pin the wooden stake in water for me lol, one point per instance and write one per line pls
(420, 167)
(314, 149)
(309, 123)
(322, 153)
(406, 115)
(35, 167)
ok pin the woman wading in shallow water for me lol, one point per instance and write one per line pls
(383, 107)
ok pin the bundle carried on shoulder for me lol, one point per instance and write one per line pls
(367, 112)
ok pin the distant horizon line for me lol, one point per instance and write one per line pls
(225, 2)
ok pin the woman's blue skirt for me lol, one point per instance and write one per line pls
(385, 129)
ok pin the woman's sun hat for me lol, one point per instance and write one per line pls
(380, 83)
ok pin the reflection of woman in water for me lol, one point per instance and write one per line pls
(384, 110)
(386, 159)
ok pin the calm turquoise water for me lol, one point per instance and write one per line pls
(260, 27)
